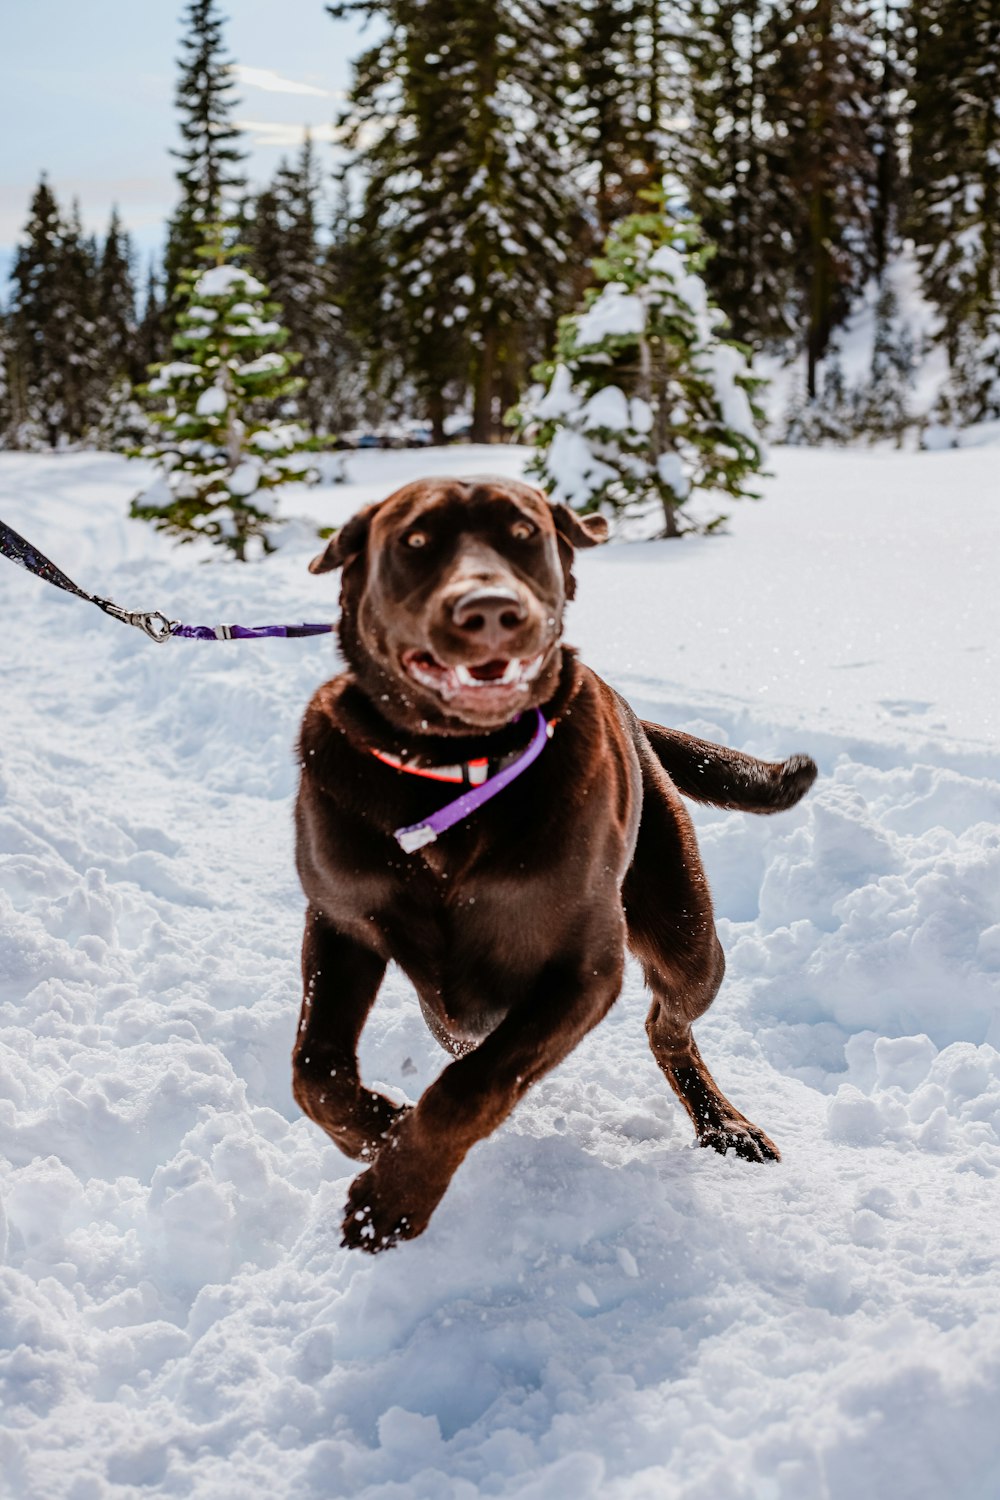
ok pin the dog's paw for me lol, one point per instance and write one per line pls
(373, 1225)
(747, 1141)
(363, 1134)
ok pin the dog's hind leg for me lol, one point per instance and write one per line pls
(671, 930)
(340, 981)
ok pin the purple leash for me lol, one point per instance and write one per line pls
(151, 622)
(242, 632)
(418, 834)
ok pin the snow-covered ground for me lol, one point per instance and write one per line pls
(598, 1309)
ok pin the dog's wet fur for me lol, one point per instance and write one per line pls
(513, 926)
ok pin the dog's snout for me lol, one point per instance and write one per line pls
(489, 614)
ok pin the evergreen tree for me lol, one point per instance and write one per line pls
(883, 405)
(828, 417)
(972, 391)
(220, 456)
(122, 426)
(53, 325)
(740, 190)
(629, 76)
(819, 76)
(888, 139)
(954, 213)
(150, 345)
(115, 303)
(458, 120)
(34, 316)
(283, 235)
(84, 376)
(7, 422)
(209, 169)
(646, 400)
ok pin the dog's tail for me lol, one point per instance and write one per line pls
(728, 778)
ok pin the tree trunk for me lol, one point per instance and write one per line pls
(671, 529)
(482, 411)
(435, 412)
(658, 436)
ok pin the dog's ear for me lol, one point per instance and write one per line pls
(580, 531)
(347, 541)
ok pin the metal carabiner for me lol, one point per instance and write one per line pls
(152, 623)
(156, 625)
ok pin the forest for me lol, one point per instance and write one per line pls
(487, 150)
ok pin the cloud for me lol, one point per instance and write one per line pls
(285, 133)
(273, 83)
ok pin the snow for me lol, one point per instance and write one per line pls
(670, 468)
(640, 415)
(244, 479)
(725, 362)
(222, 281)
(598, 1309)
(577, 470)
(616, 313)
(178, 369)
(212, 402)
(606, 408)
(264, 364)
(560, 398)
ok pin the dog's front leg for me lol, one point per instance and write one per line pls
(340, 981)
(395, 1198)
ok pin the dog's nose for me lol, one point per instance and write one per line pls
(489, 614)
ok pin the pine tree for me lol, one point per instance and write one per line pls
(954, 213)
(628, 58)
(150, 346)
(887, 135)
(283, 235)
(883, 406)
(740, 189)
(221, 458)
(84, 376)
(115, 303)
(819, 80)
(829, 416)
(52, 326)
(7, 423)
(458, 122)
(209, 170)
(646, 400)
(34, 314)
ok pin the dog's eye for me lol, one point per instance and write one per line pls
(416, 539)
(521, 530)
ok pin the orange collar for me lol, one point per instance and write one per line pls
(466, 773)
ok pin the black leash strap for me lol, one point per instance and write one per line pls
(151, 622)
(14, 546)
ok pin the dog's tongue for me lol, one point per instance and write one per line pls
(489, 671)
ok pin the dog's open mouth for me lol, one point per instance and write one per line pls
(506, 675)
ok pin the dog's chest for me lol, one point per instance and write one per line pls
(446, 927)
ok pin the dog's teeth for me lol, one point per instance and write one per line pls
(512, 671)
(465, 677)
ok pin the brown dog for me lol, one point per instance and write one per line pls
(513, 925)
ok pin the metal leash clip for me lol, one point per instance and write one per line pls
(151, 622)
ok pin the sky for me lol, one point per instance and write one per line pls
(86, 95)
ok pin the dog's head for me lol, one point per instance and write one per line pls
(452, 599)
